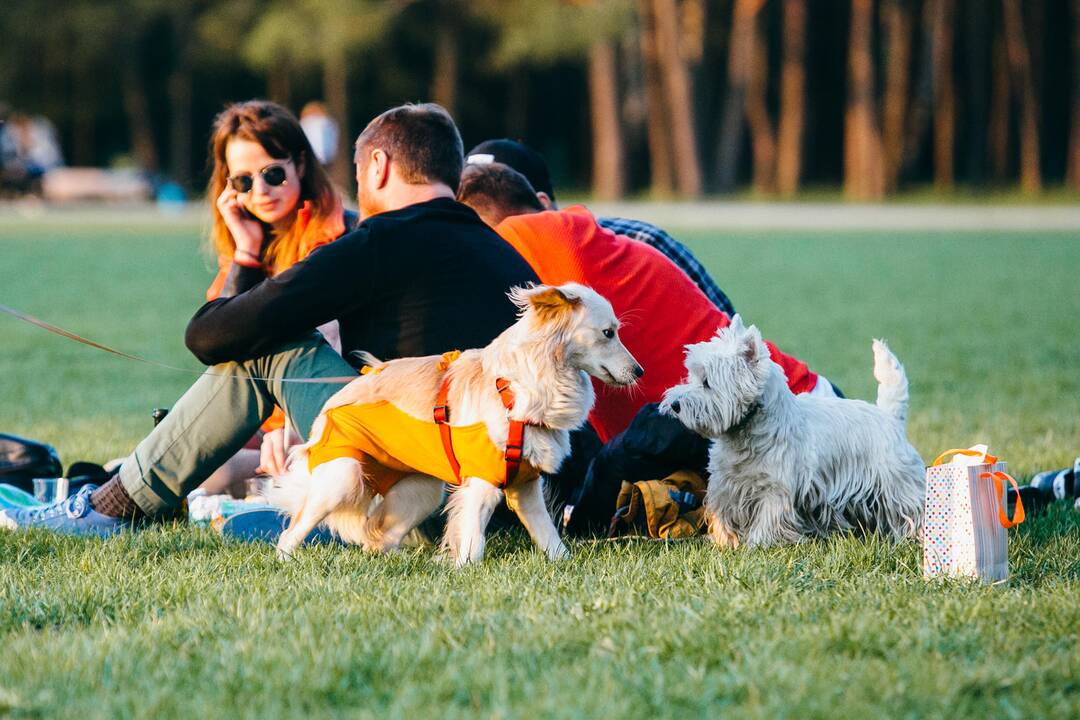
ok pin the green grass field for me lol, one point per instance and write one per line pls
(174, 622)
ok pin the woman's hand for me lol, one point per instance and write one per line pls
(247, 232)
(275, 449)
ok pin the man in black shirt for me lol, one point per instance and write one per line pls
(422, 274)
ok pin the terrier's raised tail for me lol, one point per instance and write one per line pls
(892, 393)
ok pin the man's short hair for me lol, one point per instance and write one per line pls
(422, 141)
(497, 191)
(520, 157)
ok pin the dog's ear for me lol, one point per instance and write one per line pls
(751, 344)
(547, 301)
(737, 323)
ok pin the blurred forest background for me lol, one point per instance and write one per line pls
(673, 98)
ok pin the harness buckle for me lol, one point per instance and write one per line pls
(514, 453)
(441, 414)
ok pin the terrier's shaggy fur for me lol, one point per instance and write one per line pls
(564, 335)
(785, 467)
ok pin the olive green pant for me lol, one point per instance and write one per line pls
(220, 413)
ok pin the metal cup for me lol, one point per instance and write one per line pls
(50, 490)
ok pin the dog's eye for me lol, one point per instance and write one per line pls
(609, 333)
(705, 383)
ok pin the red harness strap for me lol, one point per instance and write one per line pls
(442, 419)
(515, 440)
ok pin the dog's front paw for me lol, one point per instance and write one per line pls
(464, 560)
(464, 554)
(382, 546)
(723, 536)
(558, 552)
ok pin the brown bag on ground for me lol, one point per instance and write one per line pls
(669, 508)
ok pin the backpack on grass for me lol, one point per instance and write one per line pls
(22, 460)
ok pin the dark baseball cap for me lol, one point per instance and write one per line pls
(518, 156)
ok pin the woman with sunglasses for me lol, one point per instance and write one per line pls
(273, 204)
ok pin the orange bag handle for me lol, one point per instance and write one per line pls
(1003, 516)
(990, 459)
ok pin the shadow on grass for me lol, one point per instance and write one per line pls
(1045, 549)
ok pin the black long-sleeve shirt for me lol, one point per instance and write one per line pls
(420, 280)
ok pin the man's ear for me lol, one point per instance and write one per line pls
(546, 201)
(379, 167)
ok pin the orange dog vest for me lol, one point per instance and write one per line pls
(391, 444)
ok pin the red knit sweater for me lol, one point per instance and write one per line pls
(660, 308)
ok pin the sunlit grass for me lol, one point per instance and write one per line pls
(175, 622)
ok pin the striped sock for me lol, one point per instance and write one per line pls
(111, 499)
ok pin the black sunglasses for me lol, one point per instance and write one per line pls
(272, 175)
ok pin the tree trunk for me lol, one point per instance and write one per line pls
(137, 110)
(1073, 166)
(978, 92)
(1033, 16)
(279, 82)
(517, 106)
(447, 54)
(792, 98)
(897, 25)
(633, 112)
(676, 83)
(922, 96)
(762, 135)
(941, 42)
(1021, 75)
(180, 97)
(82, 138)
(1000, 108)
(661, 166)
(608, 178)
(740, 57)
(864, 177)
(336, 92)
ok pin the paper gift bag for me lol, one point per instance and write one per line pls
(965, 523)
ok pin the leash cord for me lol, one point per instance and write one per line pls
(27, 318)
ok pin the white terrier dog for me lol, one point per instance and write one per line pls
(784, 467)
(502, 415)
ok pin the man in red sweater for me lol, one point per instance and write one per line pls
(661, 309)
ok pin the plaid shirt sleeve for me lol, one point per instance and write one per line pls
(675, 251)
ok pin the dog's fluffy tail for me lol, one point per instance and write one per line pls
(892, 394)
(289, 491)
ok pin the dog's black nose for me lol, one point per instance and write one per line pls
(675, 407)
(639, 371)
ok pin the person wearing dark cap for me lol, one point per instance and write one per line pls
(532, 165)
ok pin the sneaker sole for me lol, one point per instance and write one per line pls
(266, 526)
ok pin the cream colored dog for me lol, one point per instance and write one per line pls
(563, 335)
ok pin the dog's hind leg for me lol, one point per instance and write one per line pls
(333, 484)
(527, 500)
(468, 512)
(404, 506)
